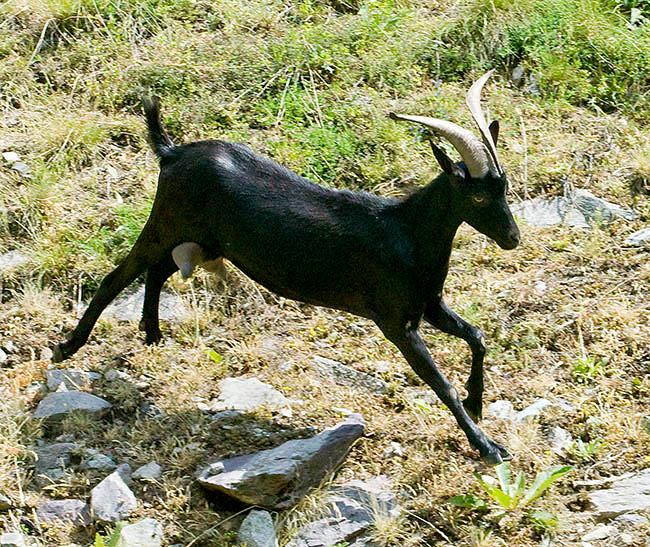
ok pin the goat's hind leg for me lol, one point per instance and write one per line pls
(443, 318)
(156, 277)
(147, 251)
(412, 347)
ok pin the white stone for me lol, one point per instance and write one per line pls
(12, 539)
(528, 413)
(257, 530)
(601, 532)
(150, 472)
(145, 533)
(502, 410)
(248, 394)
(639, 239)
(112, 500)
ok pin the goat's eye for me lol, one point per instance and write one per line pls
(478, 198)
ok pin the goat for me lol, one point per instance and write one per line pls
(382, 259)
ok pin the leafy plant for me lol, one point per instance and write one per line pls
(588, 368)
(586, 451)
(110, 540)
(513, 494)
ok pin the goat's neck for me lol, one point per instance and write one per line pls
(436, 218)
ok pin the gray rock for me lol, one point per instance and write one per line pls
(5, 503)
(257, 530)
(75, 511)
(53, 459)
(112, 500)
(149, 472)
(12, 260)
(627, 495)
(72, 379)
(353, 508)
(517, 74)
(531, 411)
(502, 410)
(579, 209)
(99, 462)
(560, 439)
(11, 157)
(247, 394)
(3, 356)
(279, 477)
(114, 375)
(600, 532)
(128, 307)
(145, 533)
(631, 520)
(347, 376)
(62, 403)
(12, 539)
(394, 450)
(639, 239)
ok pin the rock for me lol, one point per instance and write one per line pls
(517, 74)
(639, 239)
(145, 533)
(53, 459)
(257, 530)
(579, 209)
(149, 472)
(631, 519)
(113, 375)
(75, 511)
(502, 410)
(99, 462)
(128, 307)
(560, 439)
(353, 508)
(72, 379)
(5, 503)
(3, 356)
(125, 472)
(393, 451)
(12, 539)
(10, 157)
(601, 532)
(347, 376)
(62, 403)
(12, 260)
(248, 394)
(279, 477)
(112, 500)
(531, 411)
(627, 495)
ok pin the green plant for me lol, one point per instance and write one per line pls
(586, 451)
(513, 494)
(111, 539)
(587, 369)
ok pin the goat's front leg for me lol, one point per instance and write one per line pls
(156, 277)
(441, 317)
(410, 344)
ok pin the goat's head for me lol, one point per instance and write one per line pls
(479, 182)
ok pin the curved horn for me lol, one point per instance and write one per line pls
(474, 153)
(473, 100)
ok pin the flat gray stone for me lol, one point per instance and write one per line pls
(639, 239)
(112, 500)
(128, 306)
(560, 439)
(353, 508)
(580, 210)
(627, 495)
(75, 511)
(502, 410)
(99, 462)
(72, 379)
(12, 539)
(12, 260)
(248, 394)
(53, 459)
(62, 403)
(531, 411)
(347, 376)
(5, 503)
(144, 533)
(149, 472)
(279, 477)
(257, 530)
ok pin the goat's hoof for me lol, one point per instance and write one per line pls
(495, 454)
(474, 411)
(58, 354)
(153, 338)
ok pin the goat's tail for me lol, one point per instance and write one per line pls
(158, 138)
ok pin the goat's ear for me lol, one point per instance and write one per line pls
(446, 164)
(494, 131)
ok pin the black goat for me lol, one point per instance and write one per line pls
(384, 259)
